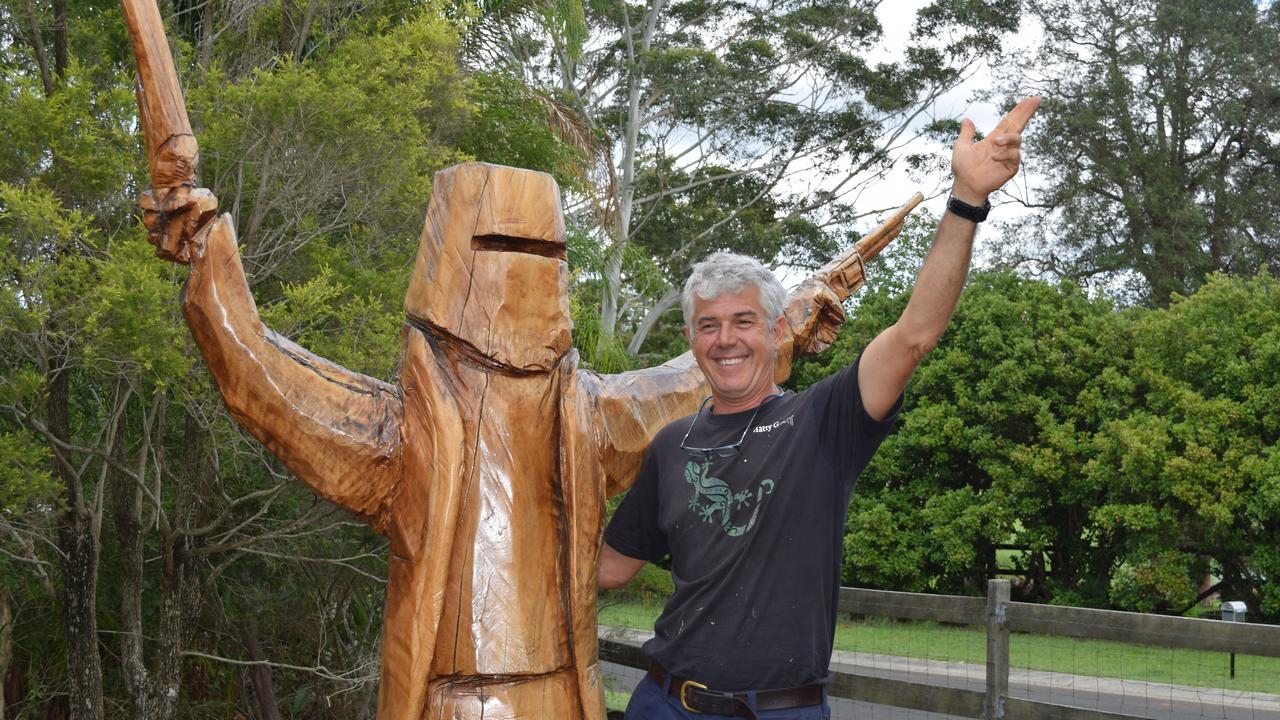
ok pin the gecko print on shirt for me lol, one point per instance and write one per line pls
(713, 495)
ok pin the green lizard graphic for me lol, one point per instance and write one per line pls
(712, 495)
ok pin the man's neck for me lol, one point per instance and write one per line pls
(720, 406)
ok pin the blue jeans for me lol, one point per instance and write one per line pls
(650, 701)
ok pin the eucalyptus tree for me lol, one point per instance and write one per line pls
(1157, 142)
(705, 117)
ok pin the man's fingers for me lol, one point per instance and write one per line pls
(1005, 155)
(1007, 140)
(1019, 116)
(966, 133)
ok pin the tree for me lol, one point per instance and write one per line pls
(988, 440)
(708, 117)
(1191, 470)
(1156, 141)
(1130, 454)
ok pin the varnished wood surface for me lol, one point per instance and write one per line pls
(488, 463)
(175, 210)
(171, 147)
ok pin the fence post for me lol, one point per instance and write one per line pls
(997, 649)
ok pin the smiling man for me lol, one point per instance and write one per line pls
(749, 495)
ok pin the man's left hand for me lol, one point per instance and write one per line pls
(983, 167)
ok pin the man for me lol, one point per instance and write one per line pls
(749, 495)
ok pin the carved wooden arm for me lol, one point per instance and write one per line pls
(633, 406)
(174, 209)
(815, 307)
(338, 431)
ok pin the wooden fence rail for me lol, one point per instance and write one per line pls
(1002, 617)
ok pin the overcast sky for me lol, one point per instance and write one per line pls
(897, 17)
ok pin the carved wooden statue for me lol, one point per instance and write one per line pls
(488, 464)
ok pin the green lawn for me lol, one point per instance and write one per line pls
(1097, 658)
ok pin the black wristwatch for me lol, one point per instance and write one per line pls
(972, 213)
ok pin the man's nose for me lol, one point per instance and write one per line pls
(726, 335)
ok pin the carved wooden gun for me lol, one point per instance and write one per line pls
(488, 463)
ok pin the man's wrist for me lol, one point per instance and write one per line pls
(973, 213)
(967, 196)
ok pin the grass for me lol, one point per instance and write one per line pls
(616, 699)
(1097, 658)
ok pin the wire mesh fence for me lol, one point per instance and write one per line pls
(904, 655)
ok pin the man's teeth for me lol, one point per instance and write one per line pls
(729, 361)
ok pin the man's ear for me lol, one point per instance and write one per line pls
(688, 337)
(780, 329)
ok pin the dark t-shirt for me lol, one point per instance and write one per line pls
(755, 539)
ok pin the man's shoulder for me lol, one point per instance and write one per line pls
(845, 376)
(672, 432)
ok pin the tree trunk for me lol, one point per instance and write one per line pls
(204, 46)
(651, 319)
(6, 645)
(78, 541)
(262, 685)
(154, 687)
(42, 59)
(126, 510)
(60, 50)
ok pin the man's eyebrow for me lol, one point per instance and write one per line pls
(739, 314)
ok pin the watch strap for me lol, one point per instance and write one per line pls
(972, 213)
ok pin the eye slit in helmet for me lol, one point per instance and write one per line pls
(510, 243)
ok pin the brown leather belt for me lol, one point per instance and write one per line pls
(696, 697)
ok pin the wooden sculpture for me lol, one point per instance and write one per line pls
(488, 464)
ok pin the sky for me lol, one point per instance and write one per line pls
(897, 16)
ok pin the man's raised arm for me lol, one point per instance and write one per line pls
(980, 169)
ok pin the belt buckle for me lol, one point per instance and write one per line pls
(685, 686)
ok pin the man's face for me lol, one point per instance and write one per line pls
(735, 343)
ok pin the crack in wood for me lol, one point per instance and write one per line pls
(439, 338)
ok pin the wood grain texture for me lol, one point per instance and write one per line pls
(174, 209)
(166, 131)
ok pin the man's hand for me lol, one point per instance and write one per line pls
(982, 168)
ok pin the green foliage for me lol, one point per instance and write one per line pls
(650, 588)
(324, 156)
(24, 472)
(723, 211)
(77, 141)
(1193, 469)
(1130, 453)
(712, 110)
(509, 125)
(340, 146)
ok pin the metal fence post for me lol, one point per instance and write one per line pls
(997, 649)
